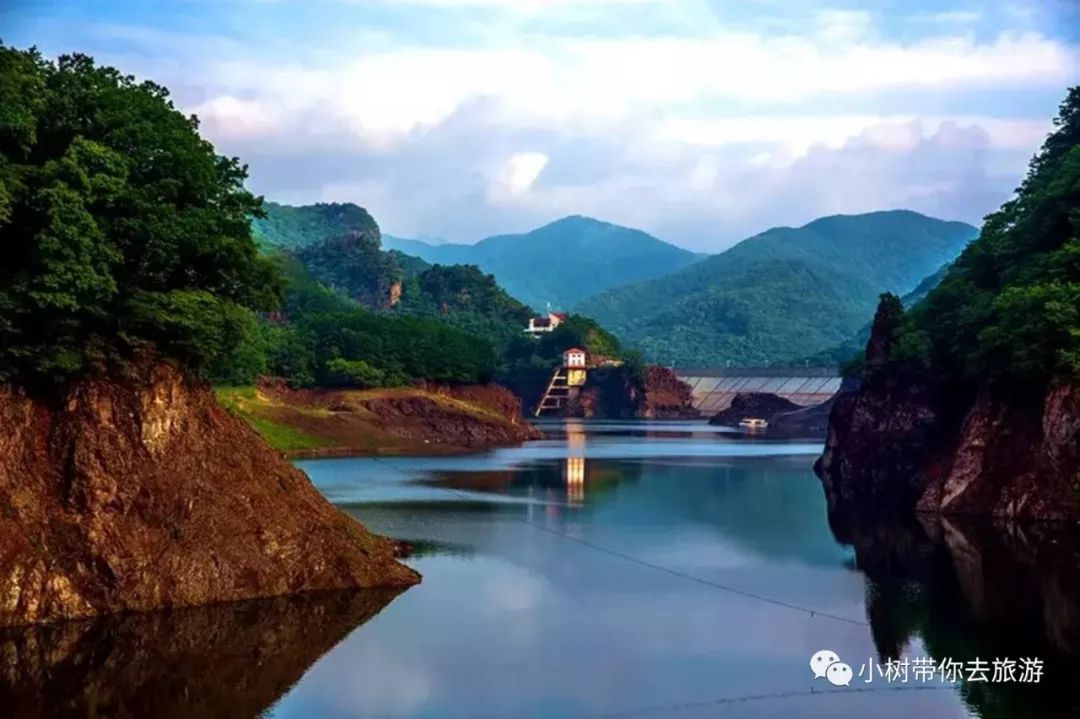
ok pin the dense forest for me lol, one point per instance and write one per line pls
(125, 234)
(848, 354)
(1007, 312)
(781, 295)
(123, 230)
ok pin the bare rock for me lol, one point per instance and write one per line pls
(141, 493)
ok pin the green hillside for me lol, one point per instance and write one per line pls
(784, 294)
(341, 247)
(563, 262)
(1007, 312)
(852, 347)
(291, 227)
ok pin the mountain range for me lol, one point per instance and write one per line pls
(783, 294)
(560, 263)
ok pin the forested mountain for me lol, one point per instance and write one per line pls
(340, 246)
(783, 294)
(562, 262)
(327, 339)
(970, 400)
(850, 349)
(291, 227)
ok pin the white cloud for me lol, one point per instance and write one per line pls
(387, 95)
(701, 135)
(519, 173)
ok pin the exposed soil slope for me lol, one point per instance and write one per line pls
(383, 421)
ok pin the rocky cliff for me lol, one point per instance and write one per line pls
(901, 443)
(142, 492)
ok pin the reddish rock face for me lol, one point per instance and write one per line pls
(610, 393)
(889, 446)
(667, 396)
(144, 493)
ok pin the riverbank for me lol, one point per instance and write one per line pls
(406, 420)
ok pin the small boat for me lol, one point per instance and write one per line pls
(753, 424)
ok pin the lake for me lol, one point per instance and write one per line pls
(613, 569)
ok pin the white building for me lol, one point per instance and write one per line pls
(574, 357)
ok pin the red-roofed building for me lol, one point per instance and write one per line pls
(575, 357)
(540, 325)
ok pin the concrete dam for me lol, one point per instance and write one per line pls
(713, 388)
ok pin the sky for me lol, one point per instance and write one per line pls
(699, 121)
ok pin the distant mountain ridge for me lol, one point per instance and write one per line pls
(562, 262)
(783, 294)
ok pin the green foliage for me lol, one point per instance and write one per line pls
(562, 262)
(1008, 309)
(122, 227)
(355, 265)
(404, 349)
(353, 373)
(324, 338)
(286, 227)
(464, 297)
(782, 295)
(281, 437)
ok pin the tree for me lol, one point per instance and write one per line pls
(1008, 310)
(121, 227)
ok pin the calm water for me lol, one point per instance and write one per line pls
(616, 569)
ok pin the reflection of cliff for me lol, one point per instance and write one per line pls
(227, 660)
(978, 591)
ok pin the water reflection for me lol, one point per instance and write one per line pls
(228, 660)
(967, 589)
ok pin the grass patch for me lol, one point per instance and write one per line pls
(243, 401)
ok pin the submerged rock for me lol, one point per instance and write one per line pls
(142, 493)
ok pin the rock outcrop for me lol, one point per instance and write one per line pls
(667, 396)
(140, 493)
(762, 405)
(902, 443)
(611, 393)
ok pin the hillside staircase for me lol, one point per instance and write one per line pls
(557, 393)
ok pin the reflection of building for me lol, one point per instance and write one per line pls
(575, 479)
(574, 468)
(541, 325)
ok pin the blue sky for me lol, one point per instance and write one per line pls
(701, 121)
